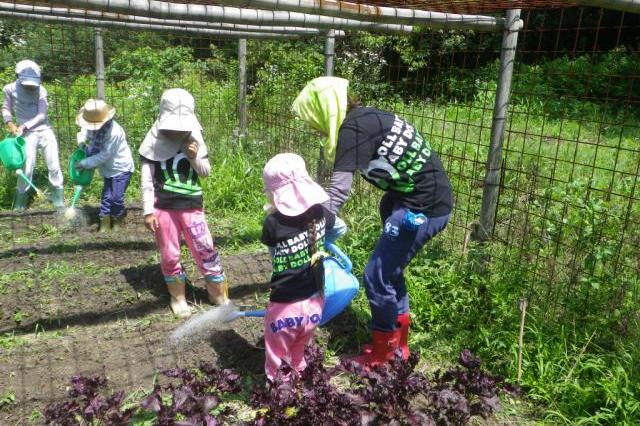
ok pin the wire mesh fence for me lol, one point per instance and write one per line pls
(566, 233)
(570, 161)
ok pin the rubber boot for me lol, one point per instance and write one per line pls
(21, 201)
(105, 224)
(116, 223)
(217, 289)
(176, 284)
(404, 321)
(57, 198)
(383, 347)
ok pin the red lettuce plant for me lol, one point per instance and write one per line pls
(393, 393)
(87, 405)
(198, 392)
(305, 399)
(380, 395)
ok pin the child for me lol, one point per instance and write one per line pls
(296, 301)
(173, 156)
(107, 150)
(27, 99)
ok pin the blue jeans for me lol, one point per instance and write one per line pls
(384, 274)
(112, 202)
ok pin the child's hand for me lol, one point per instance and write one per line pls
(13, 128)
(151, 222)
(191, 149)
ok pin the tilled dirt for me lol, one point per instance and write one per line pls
(79, 302)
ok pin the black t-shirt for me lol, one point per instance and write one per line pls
(176, 185)
(292, 277)
(392, 155)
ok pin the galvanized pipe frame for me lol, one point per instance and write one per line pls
(491, 185)
(100, 74)
(93, 14)
(242, 87)
(145, 27)
(208, 13)
(382, 14)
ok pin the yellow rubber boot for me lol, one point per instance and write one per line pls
(116, 223)
(176, 285)
(217, 289)
(105, 224)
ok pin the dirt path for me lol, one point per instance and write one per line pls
(76, 302)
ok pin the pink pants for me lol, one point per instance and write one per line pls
(288, 327)
(193, 226)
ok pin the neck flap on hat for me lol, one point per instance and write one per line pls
(157, 147)
(98, 138)
(323, 104)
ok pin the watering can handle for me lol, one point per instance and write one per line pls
(257, 314)
(340, 255)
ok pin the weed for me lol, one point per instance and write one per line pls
(10, 341)
(19, 316)
(7, 398)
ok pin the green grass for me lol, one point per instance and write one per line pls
(565, 237)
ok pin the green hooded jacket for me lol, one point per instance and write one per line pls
(323, 104)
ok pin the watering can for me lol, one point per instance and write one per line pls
(12, 152)
(340, 287)
(12, 156)
(80, 178)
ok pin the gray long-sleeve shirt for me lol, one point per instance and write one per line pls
(29, 106)
(339, 190)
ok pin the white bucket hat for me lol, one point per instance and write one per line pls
(94, 114)
(28, 73)
(177, 113)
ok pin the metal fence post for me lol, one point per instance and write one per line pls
(494, 160)
(329, 54)
(99, 63)
(242, 86)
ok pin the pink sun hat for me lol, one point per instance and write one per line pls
(294, 192)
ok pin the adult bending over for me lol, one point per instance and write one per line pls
(390, 154)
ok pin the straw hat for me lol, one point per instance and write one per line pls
(94, 114)
(28, 73)
(294, 192)
(177, 113)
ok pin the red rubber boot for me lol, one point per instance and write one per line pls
(383, 347)
(404, 321)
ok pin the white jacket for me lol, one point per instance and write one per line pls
(114, 157)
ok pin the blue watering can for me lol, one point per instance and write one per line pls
(340, 287)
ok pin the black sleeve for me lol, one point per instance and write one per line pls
(267, 232)
(346, 149)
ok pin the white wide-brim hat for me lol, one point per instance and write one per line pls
(94, 114)
(177, 113)
(294, 191)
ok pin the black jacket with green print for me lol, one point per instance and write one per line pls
(176, 185)
(287, 237)
(391, 154)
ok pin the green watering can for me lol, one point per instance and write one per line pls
(80, 178)
(12, 152)
(13, 157)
